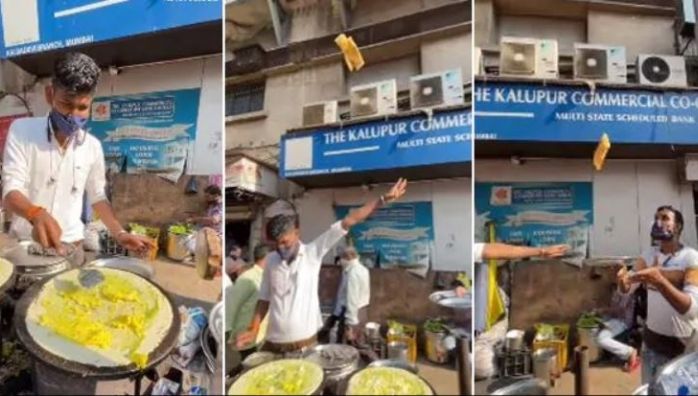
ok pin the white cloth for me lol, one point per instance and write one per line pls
(354, 291)
(662, 318)
(292, 289)
(605, 338)
(34, 166)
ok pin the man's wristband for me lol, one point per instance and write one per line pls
(33, 213)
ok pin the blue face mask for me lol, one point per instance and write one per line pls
(68, 124)
(660, 233)
(288, 254)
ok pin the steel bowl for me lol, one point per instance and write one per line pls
(130, 264)
(530, 386)
(396, 364)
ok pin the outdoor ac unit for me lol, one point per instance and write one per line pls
(600, 62)
(662, 70)
(320, 113)
(437, 89)
(374, 99)
(528, 57)
(478, 62)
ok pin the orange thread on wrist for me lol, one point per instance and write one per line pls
(33, 213)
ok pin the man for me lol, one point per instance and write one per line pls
(500, 251)
(353, 296)
(616, 320)
(49, 162)
(240, 302)
(669, 272)
(214, 210)
(289, 290)
(234, 264)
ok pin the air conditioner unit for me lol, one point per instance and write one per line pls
(437, 89)
(528, 57)
(600, 62)
(374, 99)
(320, 113)
(662, 70)
(478, 62)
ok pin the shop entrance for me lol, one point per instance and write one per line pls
(237, 232)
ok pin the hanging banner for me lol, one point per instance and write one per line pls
(152, 132)
(398, 235)
(537, 214)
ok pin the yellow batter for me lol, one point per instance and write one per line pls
(5, 271)
(387, 381)
(282, 377)
(117, 322)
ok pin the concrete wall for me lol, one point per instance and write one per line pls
(448, 53)
(565, 31)
(400, 69)
(638, 33)
(451, 202)
(395, 294)
(368, 12)
(485, 23)
(626, 194)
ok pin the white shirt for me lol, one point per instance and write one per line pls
(292, 289)
(662, 318)
(354, 292)
(34, 166)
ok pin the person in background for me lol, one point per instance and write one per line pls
(669, 271)
(209, 232)
(616, 320)
(501, 251)
(353, 297)
(240, 302)
(289, 291)
(49, 162)
(234, 264)
(214, 210)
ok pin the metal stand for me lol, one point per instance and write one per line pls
(581, 371)
(463, 365)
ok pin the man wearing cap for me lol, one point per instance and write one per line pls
(289, 290)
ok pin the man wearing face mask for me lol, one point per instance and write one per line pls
(289, 290)
(669, 271)
(50, 162)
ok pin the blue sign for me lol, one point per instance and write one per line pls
(400, 234)
(536, 214)
(550, 113)
(152, 131)
(39, 25)
(396, 143)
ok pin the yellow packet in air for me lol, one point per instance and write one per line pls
(601, 151)
(351, 52)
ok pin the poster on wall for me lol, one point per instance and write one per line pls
(398, 235)
(537, 214)
(5, 123)
(150, 132)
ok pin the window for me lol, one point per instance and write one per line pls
(241, 99)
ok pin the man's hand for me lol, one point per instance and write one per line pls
(246, 338)
(554, 251)
(349, 333)
(397, 191)
(623, 279)
(47, 232)
(649, 276)
(135, 243)
(460, 291)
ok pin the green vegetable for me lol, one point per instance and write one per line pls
(181, 229)
(588, 321)
(464, 280)
(138, 229)
(396, 327)
(435, 325)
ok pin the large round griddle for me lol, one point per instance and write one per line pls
(32, 264)
(85, 370)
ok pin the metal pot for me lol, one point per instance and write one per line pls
(435, 348)
(372, 331)
(514, 340)
(337, 361)
(643, 390)
(585, 338)
(398, 350)
(545, 364)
